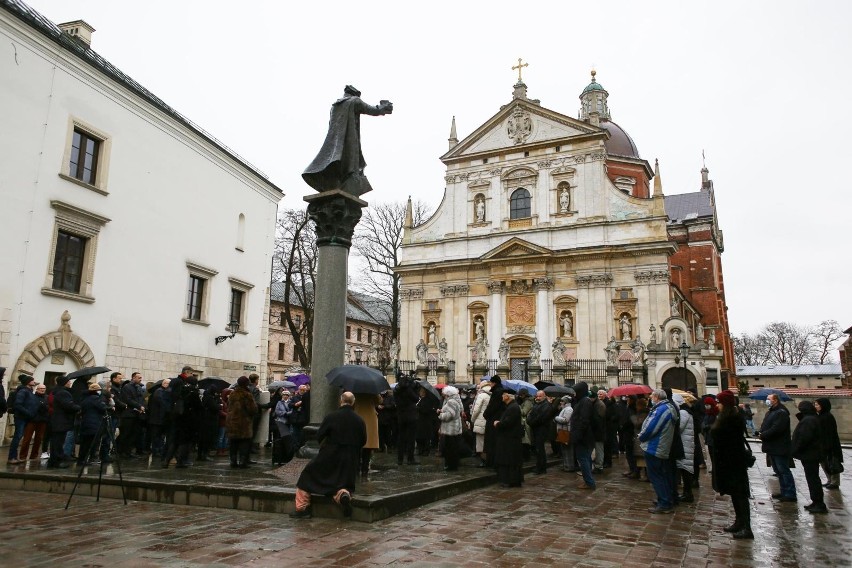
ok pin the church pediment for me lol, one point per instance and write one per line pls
(519, 124)
(515, 248)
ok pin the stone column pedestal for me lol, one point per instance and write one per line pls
(504, 371)
(638, 374)
(534, 374)
(422, 372)
(443, 374)
(611, 377)
(335, 214)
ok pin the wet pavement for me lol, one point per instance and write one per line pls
(548, 522)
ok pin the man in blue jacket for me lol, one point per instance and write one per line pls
(776, 443)
(656, 439)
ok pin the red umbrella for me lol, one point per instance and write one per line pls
(627, 390)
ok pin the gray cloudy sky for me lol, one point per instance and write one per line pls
(764, 88)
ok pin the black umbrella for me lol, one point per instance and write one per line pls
(155, 386)
(558, 390)
(275, 385)
(358, 379)
(213, 383)
(87, 372)
(541, 385)
(429, 388)
(766, 391)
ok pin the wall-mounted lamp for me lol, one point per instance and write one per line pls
(233, 327)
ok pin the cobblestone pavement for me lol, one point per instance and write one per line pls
(548, 522)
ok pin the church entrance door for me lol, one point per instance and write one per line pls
(678, 378)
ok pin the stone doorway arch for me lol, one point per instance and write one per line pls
(679, 378)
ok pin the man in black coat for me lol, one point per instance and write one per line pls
(832, 460)
(775, 442)
(582, 436)
(539, 420)
(807, 447)
(405, 397)
(493, 411)
(508, 450)
(61, 421)
(335, 468)
(186, 409)
(130, 424)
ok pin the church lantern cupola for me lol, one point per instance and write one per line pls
(594, 107)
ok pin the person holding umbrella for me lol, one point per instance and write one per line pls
(61, 422)
(334, 470)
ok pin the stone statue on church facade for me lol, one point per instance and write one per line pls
(638, 351)
(675, 338)
(567, 324)
(373, 355)
(712, 340)
(340, 163)
(481, 351)
(653, 331)
(557, 352)
(479, 327)
(442, 352)
(626, 328)
(432, 334)
(535, 353)
(422, 352)
(564, 200)
(699, 333)
(675, 310)
(480, 210)
(503, 353)
(612, 350)
(394, 351)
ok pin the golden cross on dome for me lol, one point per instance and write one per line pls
(520, 66)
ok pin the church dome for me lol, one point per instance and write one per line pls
(620, 143)
(593, 86)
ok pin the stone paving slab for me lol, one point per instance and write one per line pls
(546, 523)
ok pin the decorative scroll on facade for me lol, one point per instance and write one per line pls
(594, 280)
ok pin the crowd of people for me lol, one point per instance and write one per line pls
(662, 436)
(171, 421)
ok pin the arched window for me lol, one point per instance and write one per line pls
(241, 232)
(519, 204)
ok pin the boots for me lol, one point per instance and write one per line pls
(743, 512)
(687, 496)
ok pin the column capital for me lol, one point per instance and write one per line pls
(335, 214)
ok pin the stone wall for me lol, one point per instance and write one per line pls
(841, 408)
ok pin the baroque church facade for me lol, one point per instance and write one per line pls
(553, 245)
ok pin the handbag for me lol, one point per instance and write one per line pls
(563, 437)
(835, 466)
(749, 457)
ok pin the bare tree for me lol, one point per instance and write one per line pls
(824, 338)
(295, 265)
(786, 343)
(377, 240)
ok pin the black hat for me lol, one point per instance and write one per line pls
(25, 379)
(350, 90)
(496, 380)
(62, 381)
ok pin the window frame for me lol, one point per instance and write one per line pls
(241, 286)
(512, 204)
(206, 274)
(100, 171)
(83, 224)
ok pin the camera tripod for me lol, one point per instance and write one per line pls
(105, 427)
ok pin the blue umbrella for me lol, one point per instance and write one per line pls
(761, 394)
(519, 386)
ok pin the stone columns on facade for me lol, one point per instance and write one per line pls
(335, 214)
(611, 377)
(495, 318)
(544, 313)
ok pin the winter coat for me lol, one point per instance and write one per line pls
(687, 436)
(387, 412)
(132, 396)
(508, 449)
(599, 420)
(730, 470)
(241, 411)
(477, 415)
(830, 439)
(365, 407)
(64, 410)
(540, 418)
(775, 431)
(93, 408)
(657, 431)
(341, 435)
(450, 416)
(563, 419)
(405, 397)
(42, 413)
(807, 437)
(526, 406)
(159, 406)
(581, 418)
(426, 415)
(282, 413)
(26, 404)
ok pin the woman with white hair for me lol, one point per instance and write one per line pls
(451, 427)
(477, 419)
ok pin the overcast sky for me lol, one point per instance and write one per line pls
(764, 88)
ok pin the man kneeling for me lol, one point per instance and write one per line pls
(333, 471)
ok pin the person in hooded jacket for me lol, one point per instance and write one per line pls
(36, 426)
(582, 436)
(22, 412)
(807, 448)
(832, 451)
(477, 419)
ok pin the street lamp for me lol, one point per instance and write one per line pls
(684, 353)
(233, 327)
(358, 353)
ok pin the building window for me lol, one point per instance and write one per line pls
(241, 233)
(519, 204)
(195, 298)
(295, 355)
(370, 336)
(68, 262)
(84, 156)
(236, 309)
(712, 378)
(238, 304)
(71, 265)
(281, 349)
(198, 293)
(348, 332)
(358, 334)
(298, 321)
